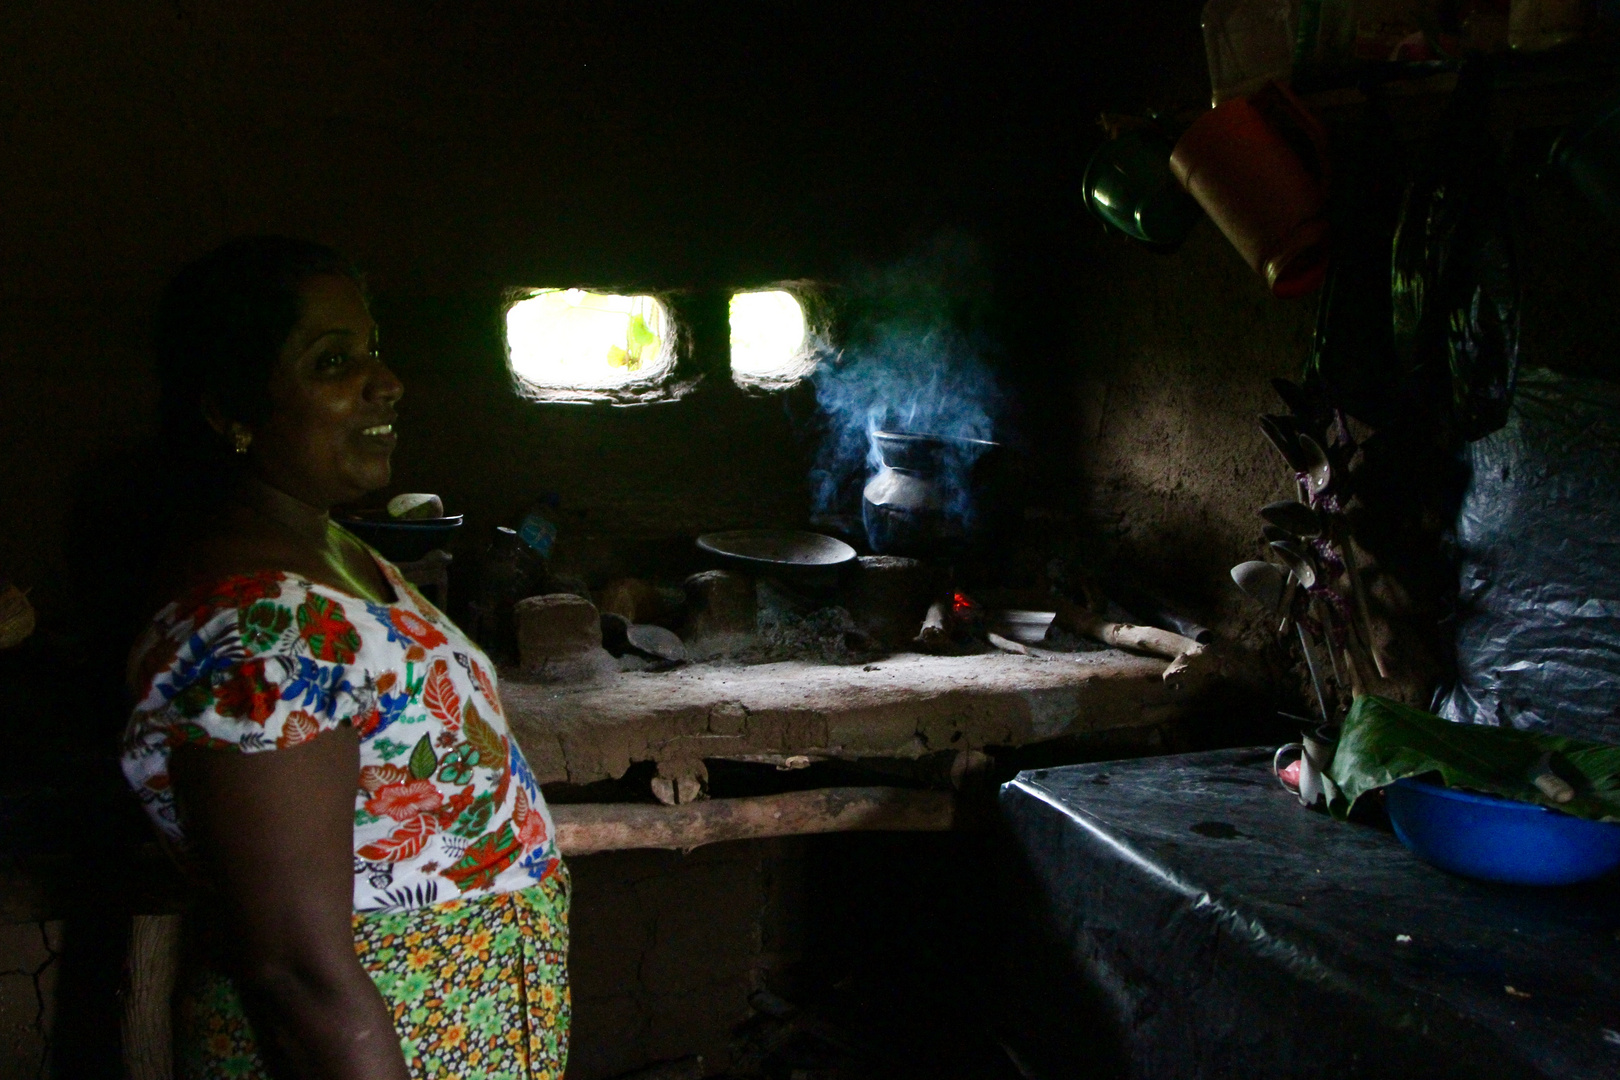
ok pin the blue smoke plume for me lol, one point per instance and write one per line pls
(914, 360)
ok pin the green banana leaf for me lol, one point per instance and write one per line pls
(1382, 741)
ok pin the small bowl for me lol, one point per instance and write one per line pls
(1024, 627)
(402, 540)
(1495, 839)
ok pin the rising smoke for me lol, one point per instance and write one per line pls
(913, 360)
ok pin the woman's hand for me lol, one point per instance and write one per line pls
(275, 833)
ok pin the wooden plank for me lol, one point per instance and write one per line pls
(584, 828)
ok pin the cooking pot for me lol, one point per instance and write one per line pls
(1129, 185)
(922, 499)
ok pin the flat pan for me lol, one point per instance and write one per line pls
(777, 549)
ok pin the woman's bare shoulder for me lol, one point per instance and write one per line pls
(218, 553)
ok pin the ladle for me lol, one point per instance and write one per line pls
(1272, 533)
(1293, 395)
(1316, 467)
(1318, 477)
(1261, 582)
(1294, 517)
(1283, 432)
(1300, 563)
(1264, 584)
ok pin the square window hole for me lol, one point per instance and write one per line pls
(578, 345)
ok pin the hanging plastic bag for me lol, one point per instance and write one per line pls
(1538, 631)
(1454, 275)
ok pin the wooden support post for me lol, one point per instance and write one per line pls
(154, 956)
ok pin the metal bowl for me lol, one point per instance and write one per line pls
(1129, 186)
(403, 540)
(776, 550)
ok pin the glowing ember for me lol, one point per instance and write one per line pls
(964, 607)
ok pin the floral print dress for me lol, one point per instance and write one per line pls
(460, 897)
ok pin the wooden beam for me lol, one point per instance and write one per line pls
(583, 828)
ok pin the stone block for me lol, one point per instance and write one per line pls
(721, 608)
(560, 636)
(888, 596)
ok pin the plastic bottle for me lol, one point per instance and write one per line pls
(1249, 43)
(537, 529)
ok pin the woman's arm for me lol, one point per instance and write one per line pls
(275, 833)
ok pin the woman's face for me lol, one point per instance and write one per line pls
(330, 432)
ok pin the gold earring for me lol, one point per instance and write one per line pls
(241, 438)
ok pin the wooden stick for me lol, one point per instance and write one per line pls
(1148, 639)
(583, 828)
(153, 959)
(936, 630)
(1007, 644)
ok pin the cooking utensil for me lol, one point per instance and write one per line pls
(1317, 748)
(916, 502)
(1129, 186)
(1318, 470)
(402, 541)
(1294, 517)
(1270, 533)
(1024, 627)
(777, 550)
(1297, 560)
(654, 642)
(1301, 562)
(1283, 431)
(1304, 572)
(1261, 582)
(1318, 473)
(1258, 167)
(1293, 395)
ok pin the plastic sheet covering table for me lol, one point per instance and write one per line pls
(1228, 932)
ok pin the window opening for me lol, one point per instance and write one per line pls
(770, 340)
(564, 343)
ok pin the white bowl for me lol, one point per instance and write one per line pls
(1024, 627)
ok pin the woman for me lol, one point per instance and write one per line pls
(323, 749)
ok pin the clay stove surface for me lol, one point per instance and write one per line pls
(905, 706)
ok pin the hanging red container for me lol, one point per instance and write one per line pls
(1258, 167)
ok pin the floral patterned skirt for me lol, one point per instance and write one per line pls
(478, 988)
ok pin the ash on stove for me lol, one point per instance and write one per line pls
(802, 625)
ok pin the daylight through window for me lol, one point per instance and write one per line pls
(571, 339)
(769, 340)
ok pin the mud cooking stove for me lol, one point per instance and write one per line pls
(798, 652)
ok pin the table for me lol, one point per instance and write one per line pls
(1225, 931)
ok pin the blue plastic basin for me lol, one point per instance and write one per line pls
(1482, 836)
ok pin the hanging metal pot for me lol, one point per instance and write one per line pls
(1130, 187)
